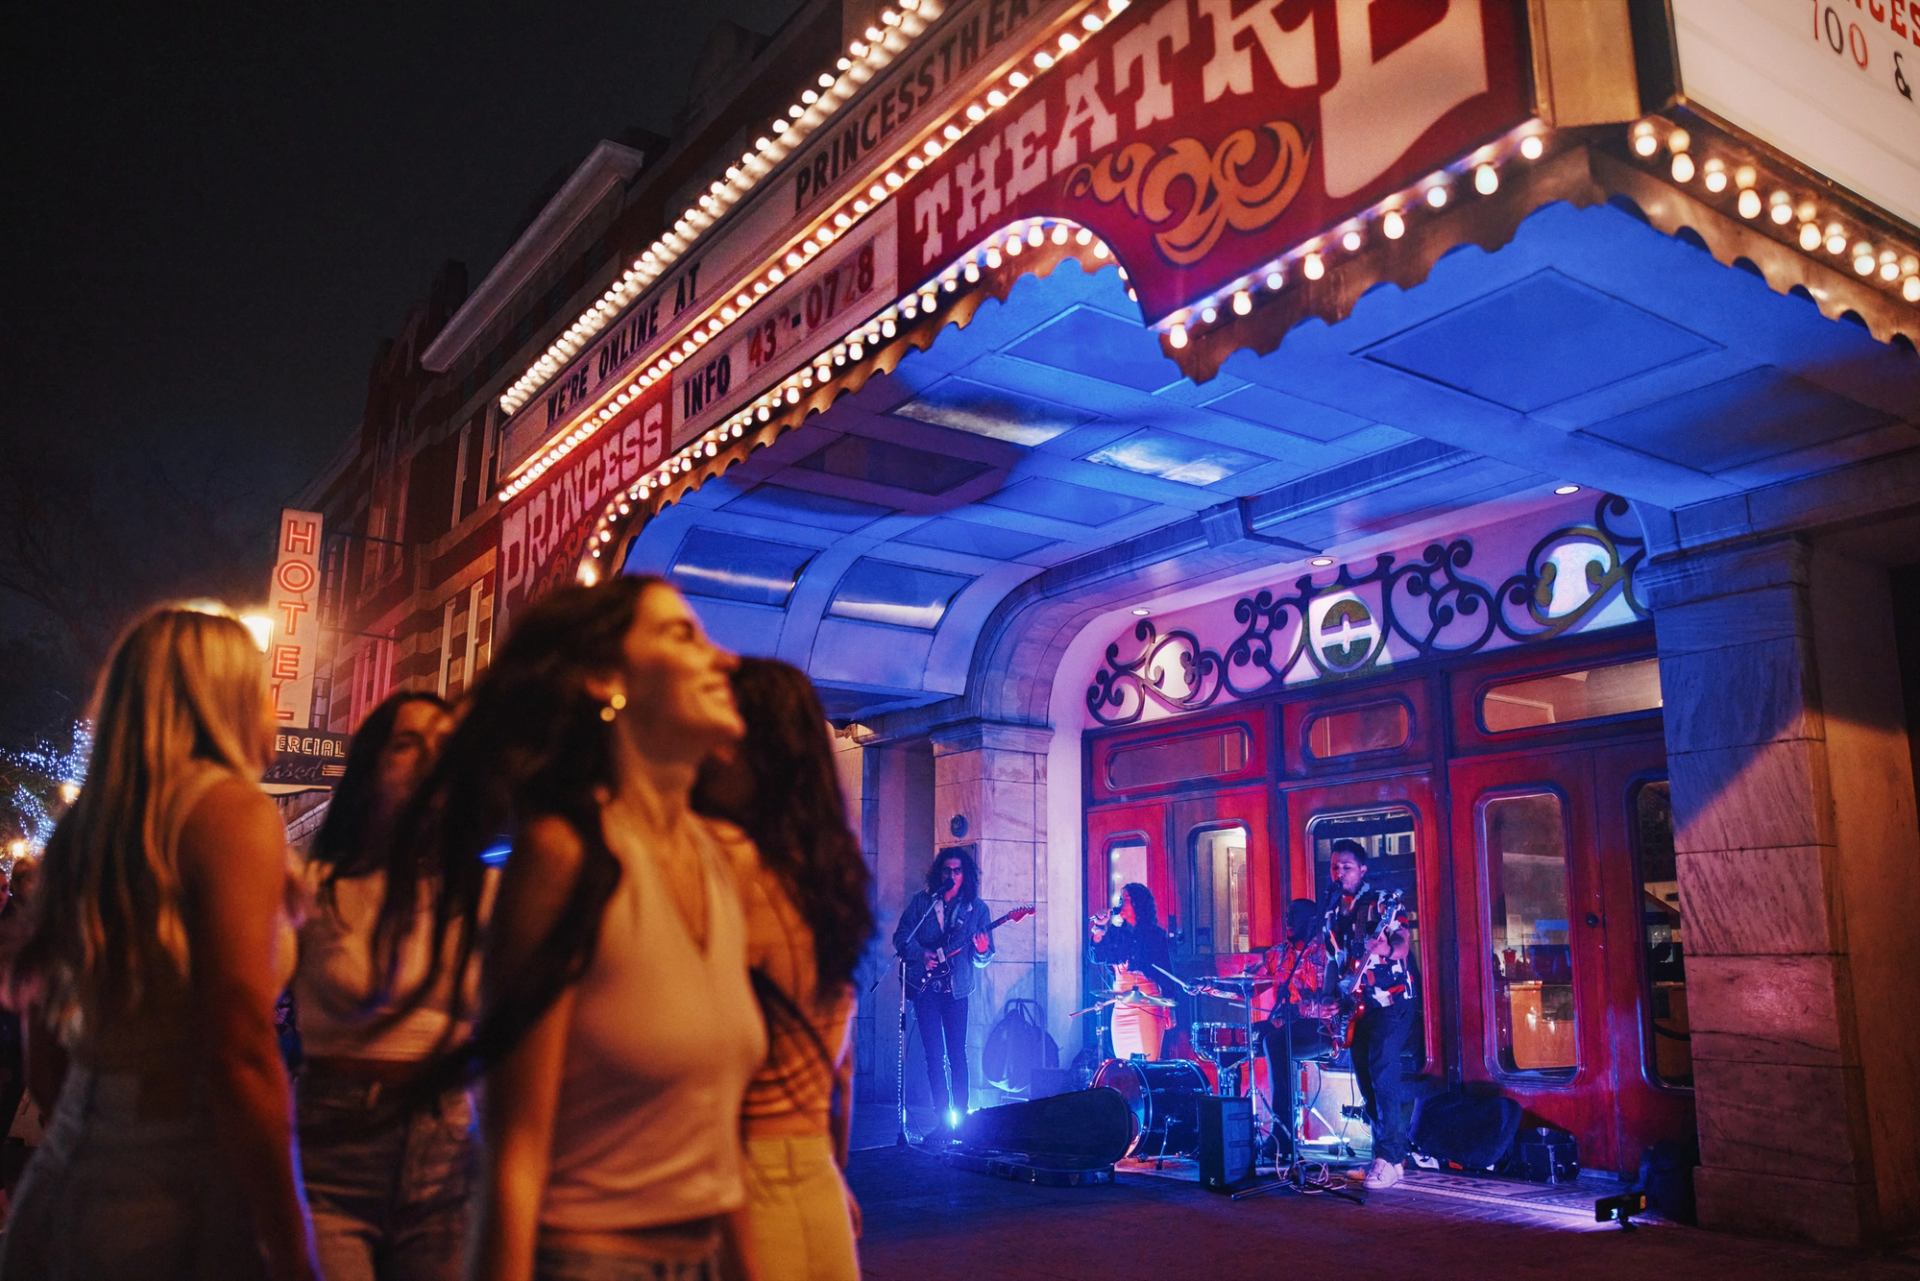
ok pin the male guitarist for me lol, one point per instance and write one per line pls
(944, 926)
(1369, 942)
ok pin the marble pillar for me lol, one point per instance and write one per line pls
(1793, 804)
(993, 779)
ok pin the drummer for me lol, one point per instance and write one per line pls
(1134, 944)
(1296, 1026)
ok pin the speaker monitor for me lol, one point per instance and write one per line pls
(1226, 1142)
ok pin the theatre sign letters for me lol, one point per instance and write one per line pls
(1202, 138)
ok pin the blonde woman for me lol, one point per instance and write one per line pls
(160, 943)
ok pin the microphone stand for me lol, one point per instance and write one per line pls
(900, 1068)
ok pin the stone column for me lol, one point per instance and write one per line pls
(994, 777)
(895, 826)
(1793, 805)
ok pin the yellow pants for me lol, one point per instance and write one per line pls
(797, 1217)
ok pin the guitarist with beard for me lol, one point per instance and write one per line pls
(1370, 934)
(943, 936)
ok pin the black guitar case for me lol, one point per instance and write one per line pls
(1086, 1127)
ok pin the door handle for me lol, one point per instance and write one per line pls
(1593, 918)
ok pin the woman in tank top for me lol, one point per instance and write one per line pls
(160, 943)
(388, 1176)
(617, 1028)
(808, 921)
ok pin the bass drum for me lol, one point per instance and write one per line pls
(1164, 1098)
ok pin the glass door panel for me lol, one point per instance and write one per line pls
(1568, 966)
(1393, 820)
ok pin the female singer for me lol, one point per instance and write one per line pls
(1137, 949)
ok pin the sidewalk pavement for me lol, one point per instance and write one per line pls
(926, 1221)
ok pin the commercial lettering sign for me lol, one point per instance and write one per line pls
(1203, 138)
(1832, 83)
(293, 603)
(303, 761)
(542, 533)
(855, 278)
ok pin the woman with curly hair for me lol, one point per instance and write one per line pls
(808, 922)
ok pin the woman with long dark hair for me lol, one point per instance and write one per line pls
(808, 922)
(1136, 946)
(388, 1181)
(617, 1028)
(159, 944)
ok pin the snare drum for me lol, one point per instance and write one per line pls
(1220, 1043)
(1164, 1098)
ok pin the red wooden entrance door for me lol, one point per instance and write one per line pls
(1564, 910)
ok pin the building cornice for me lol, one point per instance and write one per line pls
(608, 165)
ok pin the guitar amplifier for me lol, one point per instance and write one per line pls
(1226, 1142)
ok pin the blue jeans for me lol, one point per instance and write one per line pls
(388, 1189)
(127, 1188)
(1378, 1038)
(581, 1265)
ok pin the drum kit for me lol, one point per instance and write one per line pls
(1164, 1096)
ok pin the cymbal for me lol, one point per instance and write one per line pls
(1137, 997)
(1217, 995)
(1241, 980)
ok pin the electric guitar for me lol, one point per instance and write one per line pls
(1353, 967)
(936, 968)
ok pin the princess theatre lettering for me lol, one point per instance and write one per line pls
(1207, 136)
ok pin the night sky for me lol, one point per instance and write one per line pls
(214, 213)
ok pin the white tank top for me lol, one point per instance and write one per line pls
(663, 1041)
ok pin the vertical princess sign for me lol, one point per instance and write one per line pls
(293, 602)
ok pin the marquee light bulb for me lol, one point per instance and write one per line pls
(1682, 167)
(1177, 337)
(1533, 146)
(1836, 239)
(1910, 289)
(1485, 180)
(1275, 280)
(1351, 240)
(1312, 267)
(1209, 314)
(1749, 204)
(1393, 224)
(1716, 179)
(1437, 195)
(1780, 208)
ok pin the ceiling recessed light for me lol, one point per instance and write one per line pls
(1321, 561)
(1141, 611)
(1566, 489)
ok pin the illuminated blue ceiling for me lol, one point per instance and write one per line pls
(871, 545)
